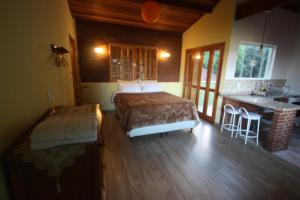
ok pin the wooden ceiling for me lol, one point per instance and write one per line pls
(176, 15)
(247, 8)
(294, 7)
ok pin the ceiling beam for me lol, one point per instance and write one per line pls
(189, 5)
(163, 27)
(255, 6)
(186, 4)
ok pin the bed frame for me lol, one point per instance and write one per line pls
(162, 128)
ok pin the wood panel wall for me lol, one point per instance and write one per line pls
(95, 68)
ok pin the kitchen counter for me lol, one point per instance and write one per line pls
(266, 102)
(283, 116)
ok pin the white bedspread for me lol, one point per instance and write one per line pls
(57, 131)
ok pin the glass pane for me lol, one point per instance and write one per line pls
(115, 63)
(186, 91)
(195, 69)
(267, 56)
(129, 63)
(204, 68)
(215, 68)
(187, 79)
(210, 103)
(193, 94)
(201, 100)
(252, 62)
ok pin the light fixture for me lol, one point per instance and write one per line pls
(164, 54)
(261, 48)
(59, 52)
(99, 50)
(150, 12)
(198, 56)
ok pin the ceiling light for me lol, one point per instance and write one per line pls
(261, 48)
(150, 12)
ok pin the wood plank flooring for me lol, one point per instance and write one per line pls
(292, 154)
(200, 165)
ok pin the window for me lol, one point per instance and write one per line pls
(132, 62)
(251, 63)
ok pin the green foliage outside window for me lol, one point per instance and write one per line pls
(251, 63)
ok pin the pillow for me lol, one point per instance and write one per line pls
(130, 88)
(122, 82)
(151, 87)
(147, 81)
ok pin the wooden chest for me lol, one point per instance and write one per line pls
(79, 179)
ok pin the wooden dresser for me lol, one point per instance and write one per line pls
(81, 178)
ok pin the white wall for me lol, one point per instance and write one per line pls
(281, 31)
(293, 75)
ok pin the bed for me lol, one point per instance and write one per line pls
(148, 112)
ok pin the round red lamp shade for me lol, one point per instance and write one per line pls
(150, 12)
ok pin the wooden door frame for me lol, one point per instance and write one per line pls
(210, 48)
(75, 70)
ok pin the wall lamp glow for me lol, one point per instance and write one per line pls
(164, 54)
(198, 57)
(99, 50)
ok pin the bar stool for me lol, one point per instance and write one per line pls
(249, 116)
(233, 112)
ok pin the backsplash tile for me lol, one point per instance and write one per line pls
(246, 86)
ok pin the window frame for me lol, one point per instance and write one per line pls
(133, 46)
(269, 68)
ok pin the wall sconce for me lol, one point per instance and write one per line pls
(198, 56)
(100, 50)
(59, 52)
(164, 55)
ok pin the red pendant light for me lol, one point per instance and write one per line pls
(150, 12)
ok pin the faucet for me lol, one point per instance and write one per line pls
(286, 88)
(269, 86)
(257, 85)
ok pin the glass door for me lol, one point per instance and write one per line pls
(202, 78)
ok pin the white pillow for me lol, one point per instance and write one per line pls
(130, 88)
(122, 82)
(147, 81)
(151, 87)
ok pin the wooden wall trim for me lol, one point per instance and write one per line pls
(96, 68)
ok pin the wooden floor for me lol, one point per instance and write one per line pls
(292, 154)
(200, 165)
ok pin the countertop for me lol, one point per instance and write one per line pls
(266, 102)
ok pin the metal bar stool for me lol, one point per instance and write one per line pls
(249, 116)
(233, 112)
